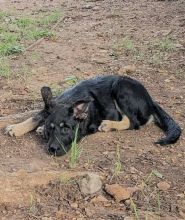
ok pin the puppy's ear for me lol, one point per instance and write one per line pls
(47, 97)
(81, 107)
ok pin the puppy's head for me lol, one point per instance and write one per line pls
(62, 122)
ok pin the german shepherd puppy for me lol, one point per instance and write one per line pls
(103, 103)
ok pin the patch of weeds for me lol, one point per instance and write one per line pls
(8, 37)
(75, 150)
(36, 34)
(5, 70)
(9, 48)
(50, 19)
(16, 33)
(149, 195)
(117, 165)
(3, 14)
(56, 89)
(71, 80)
(28, 28)
(164, 45)
(152, 174)
(135, 209)
(127, 44)
(24, 22)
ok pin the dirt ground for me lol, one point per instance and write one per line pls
(97, 37)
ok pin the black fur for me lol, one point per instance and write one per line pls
(91, 101)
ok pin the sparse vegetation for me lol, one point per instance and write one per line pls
(71, 80)
(147, 194)
(124, 46)
(75, 150)
(117, 165)
(32, 204)
(164, 45)
(127, 44)
(50, 18)
(5, 69)
(152, 53)
(135, 209)
(16, 33)
(158, 202)
(56, 89)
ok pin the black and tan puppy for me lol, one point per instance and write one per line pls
(103, 103)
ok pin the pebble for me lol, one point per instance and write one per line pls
(121, 193)
(164, 186)
(99, 199)
(90, 184)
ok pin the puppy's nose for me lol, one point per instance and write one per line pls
(53, 149)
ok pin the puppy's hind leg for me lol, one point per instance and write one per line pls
(108, 125)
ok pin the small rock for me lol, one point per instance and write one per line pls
(167, 80)
(164, 186)
(181, 195)
(87, 7)
(130, 68)
(99, 199)
(90, 184)
(128, 202)
(182, 214)
(120, 192)
(96, 8)
(127, 69)
(133, 170)
(179, 46)
(74, 205)
(99, 60)
(105, 153)
(89, 212)
(129, 218)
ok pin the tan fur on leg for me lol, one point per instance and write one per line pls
(21, 128)
(108, 125)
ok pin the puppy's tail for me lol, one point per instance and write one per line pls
(167, 124)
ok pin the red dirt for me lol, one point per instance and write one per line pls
(89, 42)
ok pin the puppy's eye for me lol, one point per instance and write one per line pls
(65, 130)
(52, 125)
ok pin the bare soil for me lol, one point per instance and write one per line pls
(91, 41)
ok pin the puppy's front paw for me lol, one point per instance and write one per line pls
(14, 130)
(105, 126)
(40, 130)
